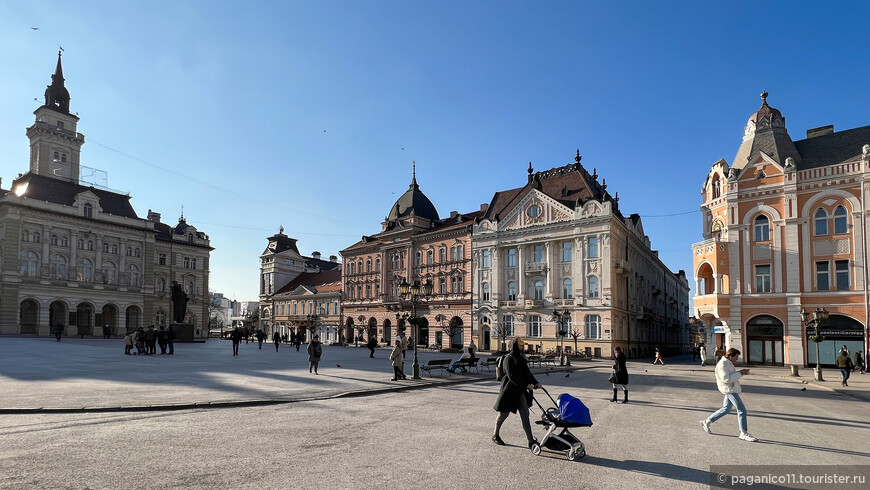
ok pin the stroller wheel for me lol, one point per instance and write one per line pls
(576, 453)
(536, 449)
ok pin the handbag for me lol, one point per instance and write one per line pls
(612, 378)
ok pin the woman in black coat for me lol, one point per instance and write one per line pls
(515, 393)
(620, 374)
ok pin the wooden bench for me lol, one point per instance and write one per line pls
(442, 364)
(469, 363)
(489, 362)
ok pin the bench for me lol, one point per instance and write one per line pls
(442, 364)
(469, 363)
(489, 362)
(549, 359)
(534, 359)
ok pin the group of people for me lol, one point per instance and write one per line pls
(146, 341)
(846, 365)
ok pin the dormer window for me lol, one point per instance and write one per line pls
(88, 210)
(63, 157)
(190, 238)
(60, 125)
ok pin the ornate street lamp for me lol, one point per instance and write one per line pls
(819, 315)
(312, 324)
(560, 319)
(413, 294)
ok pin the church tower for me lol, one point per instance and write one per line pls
(55, 146)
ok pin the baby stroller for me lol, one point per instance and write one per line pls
(571, 412)
(140, 348)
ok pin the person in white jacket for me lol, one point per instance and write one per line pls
(728, 382)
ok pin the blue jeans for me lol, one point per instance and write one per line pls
(846, 373)
(731, 399)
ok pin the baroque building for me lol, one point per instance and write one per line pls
(78, 256)
(559, 249)
(310, 303)
(784, 229)
(280, 265)
(414, 244)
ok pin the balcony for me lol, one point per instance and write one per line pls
(622, 266)
(563, 302)
(532, 304)
(536, 268)
(508, 304)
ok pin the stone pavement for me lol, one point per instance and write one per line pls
(40, 375)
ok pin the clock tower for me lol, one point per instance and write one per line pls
(55, 146)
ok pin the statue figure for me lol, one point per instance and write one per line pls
(179, 302)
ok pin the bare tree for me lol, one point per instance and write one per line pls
(575, 332)
(215, 312)
(453, 327)
(500, 331)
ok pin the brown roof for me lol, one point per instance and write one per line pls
(321, 282)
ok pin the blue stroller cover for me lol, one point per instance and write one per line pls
(573, 410)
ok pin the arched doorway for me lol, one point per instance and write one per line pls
(84, 319)
(110, 317)
(29, 316)
(57, 314)
(349, 333)
(132, 318)
(388, 334)
(456, 333)
(485, 330)
(764, 340)
(373, 328)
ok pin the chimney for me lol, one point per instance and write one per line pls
(152, 216)
(484, 207)
(453, 214)
(333, 258)
(315, 255)
(820, 131)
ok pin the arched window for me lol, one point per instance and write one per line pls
(29, 264)
(567, 289)
(460, 252)
(57, 266)
(190, 238)
(86, 273)
(430, 257)
(378, 265)
(512, 291)
(64, 241)
(134, 275)
(485, 291)
(90, 245)
(820, 222)
(368, 265)
(115, 249)
(841, 221)
(81, 244)
(442, 254)
(762, 229)
(36, 237)
(539, 290)
(105, 248)
(53, 239)
(110, 273)
(25, 236)
(137, 252)
(593, 287)
(717, 187)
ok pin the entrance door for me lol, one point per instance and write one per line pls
(764, 351)
(486, 340)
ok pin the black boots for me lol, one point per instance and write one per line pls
(614, 395)
(624, 400)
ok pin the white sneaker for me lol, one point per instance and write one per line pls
(706, 426)
(747, 437)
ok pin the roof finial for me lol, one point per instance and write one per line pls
(281, 230)
(764, 97)
(530, 168)
(578, 157)
(182, 213)
(414, 169)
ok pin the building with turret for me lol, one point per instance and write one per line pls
(76, 256)
(784, 230)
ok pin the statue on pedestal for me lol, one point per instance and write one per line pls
(179, 301)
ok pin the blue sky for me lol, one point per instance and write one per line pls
(254, 115)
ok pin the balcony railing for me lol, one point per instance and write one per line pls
(535, 267)
(534, 303)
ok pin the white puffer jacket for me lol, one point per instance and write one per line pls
(727, 377)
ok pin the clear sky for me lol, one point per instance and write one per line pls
(254, 115)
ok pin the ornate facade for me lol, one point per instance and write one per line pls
(560, 244)
(78, 256)
(784, 230)
(414, 244)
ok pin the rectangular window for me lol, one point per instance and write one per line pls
(841, 268)
(161, 259)
(187, 262)
(566, 252)
(534, 325)
(593, 326)
(512, 257)
(485, 262)
(538, 254)
(822, 276)
(442, 285)
(762, 278)
(507, 322)
(593, 247)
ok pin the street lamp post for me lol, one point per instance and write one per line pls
(819, 315)
(312, 324)
(560, 319)
(413, 293)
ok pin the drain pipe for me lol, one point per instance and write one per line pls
(864, 161)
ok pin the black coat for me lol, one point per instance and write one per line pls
(620, 370)
(517, 378)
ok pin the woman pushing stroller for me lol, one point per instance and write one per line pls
(515, 393)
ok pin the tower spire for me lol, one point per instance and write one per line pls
(56, 94)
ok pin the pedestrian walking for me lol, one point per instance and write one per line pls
(403, 340)
(620, 374)
(373, 342)
(236, 338)
(859, 362)
(276, 338)
(315, 350)
(703, 353)
(57, 329)
(844, 362)
(844, 349)
(260, 337)
(515, 394)
(128, 344)
(728, 382)
(658, 357)
(397, 356)
(107, 332)
(170, 340)
(298, 342)
(472, 348)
